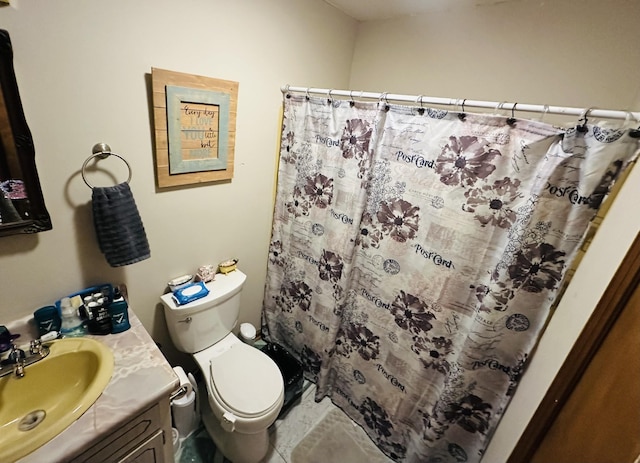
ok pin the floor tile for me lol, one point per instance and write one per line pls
(284, 435)
(298, 421)
(273, 456)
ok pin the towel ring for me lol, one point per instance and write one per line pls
(102, 151)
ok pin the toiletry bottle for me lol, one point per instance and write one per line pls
(71, 325)
(119, 313)
(100, 322)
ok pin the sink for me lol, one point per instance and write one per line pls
(53, 393)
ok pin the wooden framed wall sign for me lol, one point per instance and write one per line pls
(195, 127)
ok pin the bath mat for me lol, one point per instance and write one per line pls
(337, 439)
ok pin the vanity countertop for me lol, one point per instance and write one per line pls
(141, 376)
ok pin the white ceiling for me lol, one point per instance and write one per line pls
(368, 10)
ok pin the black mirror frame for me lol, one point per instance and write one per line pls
(39, 217)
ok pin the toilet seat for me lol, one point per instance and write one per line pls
(246, 381)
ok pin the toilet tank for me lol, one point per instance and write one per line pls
(199, 324)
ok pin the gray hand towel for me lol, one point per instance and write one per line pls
(118, 225)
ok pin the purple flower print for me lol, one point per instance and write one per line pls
(494, 297)
(492, 204)
(537, 267)
(300, 294)
(298, 206)
(433, 354)
(360, 339)
(330, 267)
(319, 190)
(369, 236)
(275, 253)
(464, 160)
(399, 219)
(471, 414)
(376, 417)
(288, 156)
(355, 139)
(411, 313)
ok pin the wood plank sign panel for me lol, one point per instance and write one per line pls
(195, 124)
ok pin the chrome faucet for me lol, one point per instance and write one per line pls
(17, 359)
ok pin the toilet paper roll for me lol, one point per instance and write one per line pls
(185, 418)
(184, 380)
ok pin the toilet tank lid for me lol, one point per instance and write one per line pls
(221, 288)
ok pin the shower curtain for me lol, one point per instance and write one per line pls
(415, 257)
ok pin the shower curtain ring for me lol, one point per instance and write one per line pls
(462, 115)
(584, 117)
(421, 108)
(306, 94)
(512, 119)
(383, 97)
(329, 98)
(545, 110)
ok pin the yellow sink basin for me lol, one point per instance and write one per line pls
(53, 393)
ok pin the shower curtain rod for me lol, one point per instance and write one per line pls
(465, 103)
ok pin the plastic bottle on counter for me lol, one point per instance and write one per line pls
(100, 320)
(119, 313)
(71, 325)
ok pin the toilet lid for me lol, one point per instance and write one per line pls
(246, 380)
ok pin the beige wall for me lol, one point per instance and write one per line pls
(82, 69)
(562, 52)
(570, 53)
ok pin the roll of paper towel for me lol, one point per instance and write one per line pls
(183, 409)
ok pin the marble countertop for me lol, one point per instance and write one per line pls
(141, 376)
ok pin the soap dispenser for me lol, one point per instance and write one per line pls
(71, 325)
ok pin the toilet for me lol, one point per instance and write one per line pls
(244, 386)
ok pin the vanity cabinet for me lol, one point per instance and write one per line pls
(131, 420)
(146, 438)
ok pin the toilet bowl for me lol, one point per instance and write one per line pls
(245, 387)
(245, 393)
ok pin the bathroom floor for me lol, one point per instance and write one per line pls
(285, 433)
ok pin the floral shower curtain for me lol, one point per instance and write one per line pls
(415, 256)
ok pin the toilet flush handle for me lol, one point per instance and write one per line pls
(186, 320)
(228, 422)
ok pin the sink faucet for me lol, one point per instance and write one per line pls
(17, 359)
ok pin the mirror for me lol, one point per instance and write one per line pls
(22, 208)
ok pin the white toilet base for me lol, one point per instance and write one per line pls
(236, 446)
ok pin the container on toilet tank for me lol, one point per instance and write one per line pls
(194, 327)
